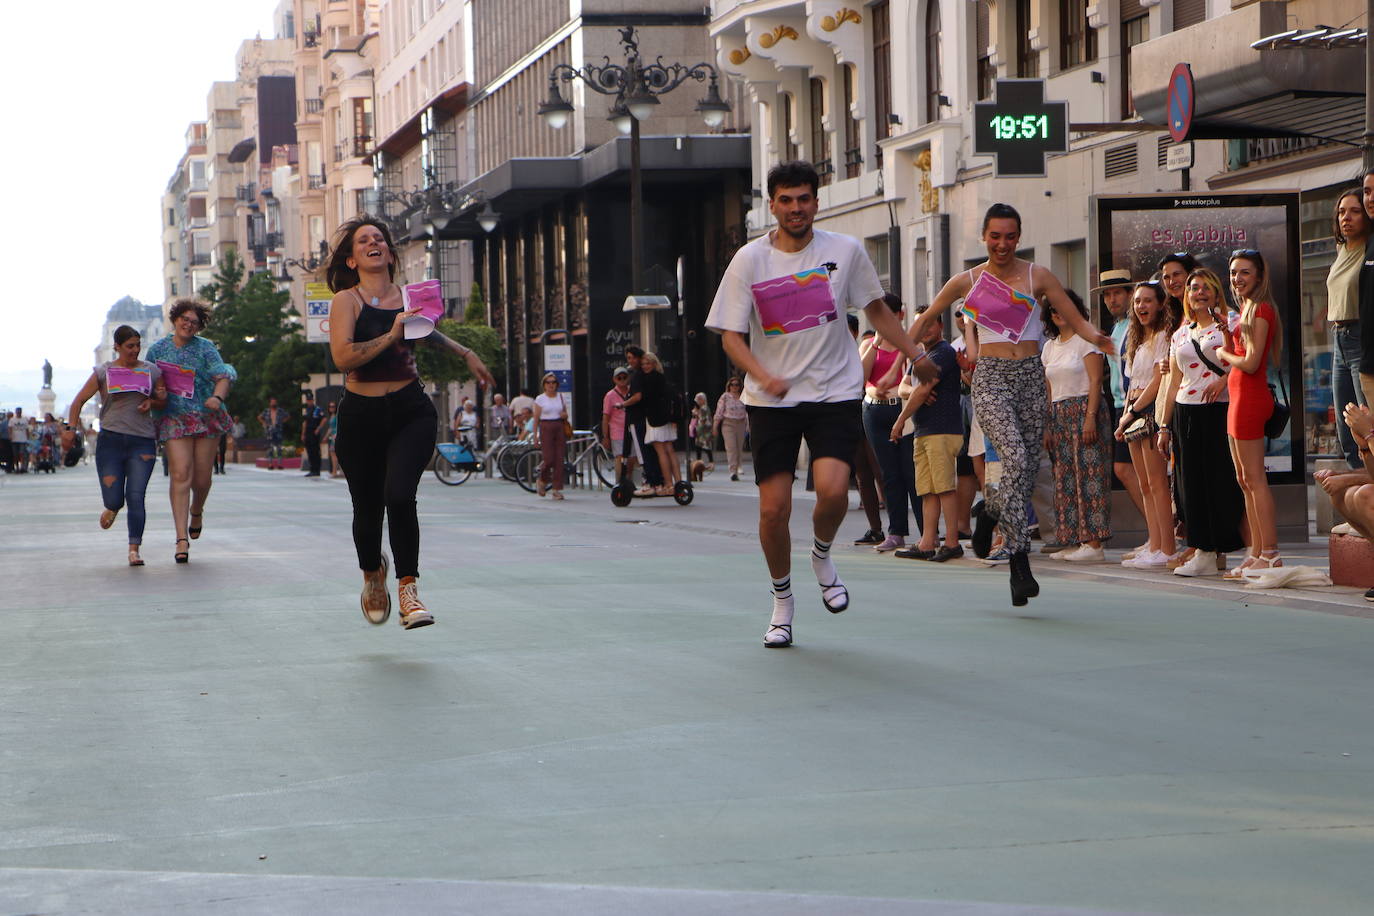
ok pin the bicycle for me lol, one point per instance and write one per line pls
(454, 462)
(593, 454)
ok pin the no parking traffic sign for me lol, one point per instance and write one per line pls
(1179, 102)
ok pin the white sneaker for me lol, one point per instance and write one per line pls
(1203, 563)
(1346, 529)
(1150, 559)
(1135, 552)
(1086, 554)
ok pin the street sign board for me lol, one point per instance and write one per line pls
(317, 299)
(558, 360)
(1020, 128)
(1179, 102)
(1179, 157)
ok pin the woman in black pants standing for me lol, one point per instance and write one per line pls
(387, 424)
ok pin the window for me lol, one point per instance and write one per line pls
(171, 216)
(853, 155)
(986, 72)
(1189, 12)
(933, 83)
(882, 76)
(879, 252)
(790, 152)
(362, 126)
(820, 151)
(1027, 59)
(1134, 31)
(1077, 39)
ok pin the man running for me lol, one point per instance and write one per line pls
(789, 291)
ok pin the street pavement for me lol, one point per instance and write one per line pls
(594, 726)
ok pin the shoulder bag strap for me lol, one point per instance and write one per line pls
(1210, 365)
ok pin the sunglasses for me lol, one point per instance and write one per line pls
(1247, 253)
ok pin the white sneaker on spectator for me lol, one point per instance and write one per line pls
(1345, 528)
(1086, 554)
(1150, 559)
(1203, 563)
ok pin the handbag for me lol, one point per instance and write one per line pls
(567, 424)
(1278, 420)
(1141, 428)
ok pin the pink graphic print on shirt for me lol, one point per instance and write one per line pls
(796, 302)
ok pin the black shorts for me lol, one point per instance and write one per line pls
(1121, 451)
(831, 429)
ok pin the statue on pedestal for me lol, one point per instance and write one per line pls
(47, 374)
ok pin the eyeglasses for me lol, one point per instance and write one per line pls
(1247, 253)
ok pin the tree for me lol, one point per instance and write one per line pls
(251, 322)
(476, 312)
(444, 366)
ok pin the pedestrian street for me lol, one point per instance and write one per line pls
(593, 725)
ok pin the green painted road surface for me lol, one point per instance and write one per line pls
(594, 726)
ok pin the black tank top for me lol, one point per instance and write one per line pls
(394, 364)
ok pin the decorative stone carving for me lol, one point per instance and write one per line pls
(930, 195)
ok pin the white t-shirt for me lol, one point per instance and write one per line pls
(792, 306)
(1063, 360)
(1196, 376)
(1149, 352)
(550, 407)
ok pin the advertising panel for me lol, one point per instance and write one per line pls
(1135, 231)
(317, 299)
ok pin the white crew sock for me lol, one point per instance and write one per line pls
(821, 563)
(783, 605)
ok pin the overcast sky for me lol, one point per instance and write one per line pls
(99, 95)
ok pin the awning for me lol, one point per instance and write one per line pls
(451, 101)
(242, 150)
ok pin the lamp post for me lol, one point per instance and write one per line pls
(634, 87)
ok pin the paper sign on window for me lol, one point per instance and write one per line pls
(796, 302)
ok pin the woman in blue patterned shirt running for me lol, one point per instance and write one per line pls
(190, 426)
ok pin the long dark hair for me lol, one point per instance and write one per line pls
(1047, 314)
(337, 273)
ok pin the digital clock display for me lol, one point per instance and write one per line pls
(1020, 128)
(1025, 127)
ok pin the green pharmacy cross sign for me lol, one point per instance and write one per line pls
(1020, 128)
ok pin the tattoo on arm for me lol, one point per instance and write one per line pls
(368, 348)
(443, 340)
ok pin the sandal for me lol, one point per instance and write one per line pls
(835, 596)
(183, 556)
(194, 530)
(134, 558)
(1238, 573)
(107, 518)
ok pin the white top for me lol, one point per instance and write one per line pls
(1063, 360)
(802, 298)
(1150, 351)
(1035, 329)
(1196, 375)
(550, 407)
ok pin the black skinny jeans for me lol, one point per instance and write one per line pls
(384, 445)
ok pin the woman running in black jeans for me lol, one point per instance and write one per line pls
(387, 424)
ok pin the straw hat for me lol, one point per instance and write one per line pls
(1111, 279)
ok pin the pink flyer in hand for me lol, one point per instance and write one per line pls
(997, 307)
(119, 380)
(428, 297)
(796, 302)
(180, 382)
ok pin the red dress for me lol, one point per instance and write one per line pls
(1251, 400)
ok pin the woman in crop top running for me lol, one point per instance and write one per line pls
(387, 424)
(1009, 395)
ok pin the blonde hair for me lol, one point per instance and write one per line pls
(1248, 305)
(652, 357)
(1209, 279)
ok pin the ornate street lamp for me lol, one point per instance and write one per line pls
(635, 87)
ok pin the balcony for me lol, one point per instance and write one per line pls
(314, 106)
(314, 182)
(274, 241)
(246, 193)
(200, 260)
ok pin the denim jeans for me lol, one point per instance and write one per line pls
(897, 464)
(1345, 384)
(124, 464)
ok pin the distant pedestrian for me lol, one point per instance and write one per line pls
(332, 428)
(661, 432)
(190, 426)
(613, 423)
(637, 426)
(5, 453)
(313, 424)
(19, 442)
(387, 424)
(732, 423)
(550, 413)
(273, 420)
(703, 432)
(499, 417)
(236, 433)
(128, 434)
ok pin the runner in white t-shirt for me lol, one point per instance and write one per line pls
(789, 291)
